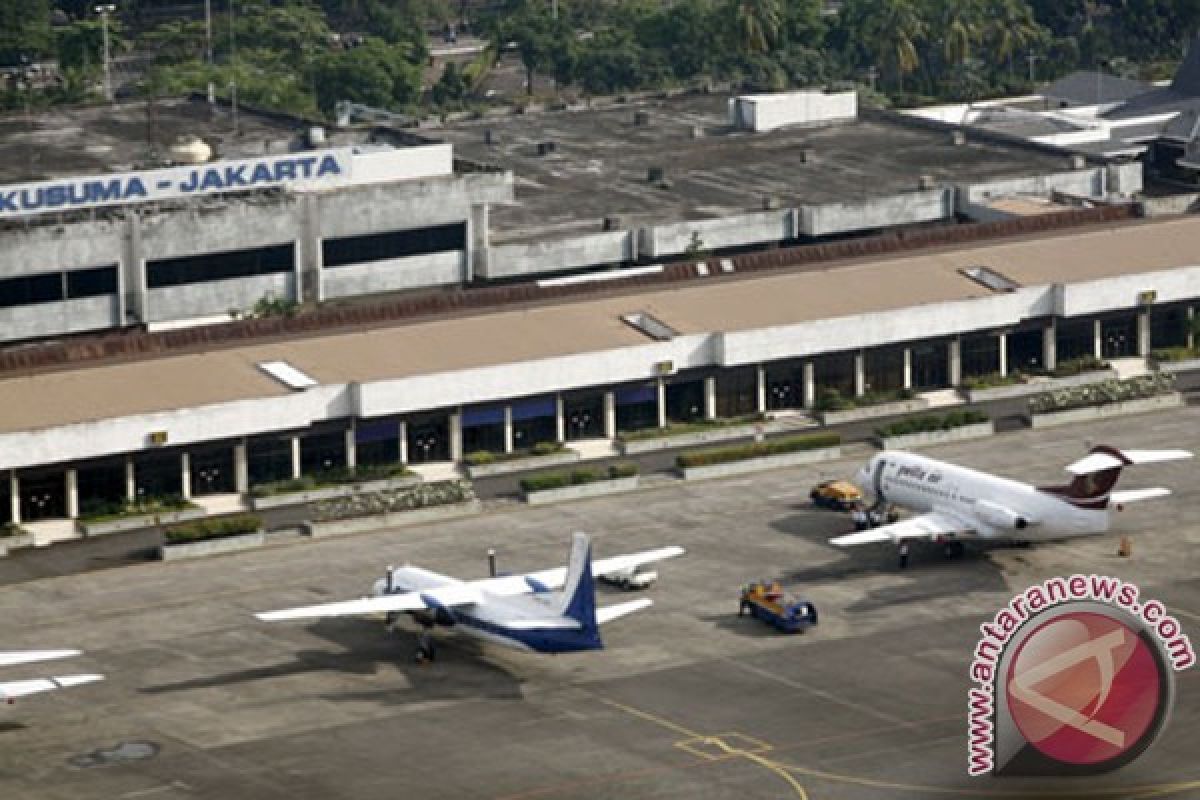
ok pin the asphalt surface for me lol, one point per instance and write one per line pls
(687, 701)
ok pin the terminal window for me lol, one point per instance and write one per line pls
(54, 287)
(167, 272)
(393, 244)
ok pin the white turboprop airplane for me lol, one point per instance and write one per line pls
(955, 502)
(11, 690)
(525, 612)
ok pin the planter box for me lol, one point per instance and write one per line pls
(9, 543)
(211, 547)
(763, 463)
(1179, 366)
(392, 519)
(593, 489)
(1145, 404)
(977, 430)
(137, 521)
(1038, 386)
(327, 492)
(713, 435)
(871, 412)
(521, 464)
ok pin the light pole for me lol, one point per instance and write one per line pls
(104, 11)
(208, 30)
(1032, 57)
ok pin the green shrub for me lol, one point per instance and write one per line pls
(576, 477)
(547, 448)
(102, 511)
(770, 447)
(10, 529)
(339, 476)
(931, 422)
(1169, 354)
(696, 426)
(1113, 391)
(993, 380)
(385, 501)
(219, 528)
(480, 457)
(832, 400)
(1076, 366)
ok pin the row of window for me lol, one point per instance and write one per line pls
(54, 287)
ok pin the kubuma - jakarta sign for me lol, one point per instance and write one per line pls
(320, 168)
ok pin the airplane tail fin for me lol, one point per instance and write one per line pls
(579, 590)
(1098, 472)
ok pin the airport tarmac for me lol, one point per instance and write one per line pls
(688, 701)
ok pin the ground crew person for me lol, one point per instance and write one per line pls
(425, 651)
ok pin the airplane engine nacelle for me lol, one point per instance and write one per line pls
(1000, 517)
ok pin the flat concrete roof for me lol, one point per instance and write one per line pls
(601, 159)
(592, 325)
(69, 142)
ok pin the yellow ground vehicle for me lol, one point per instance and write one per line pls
(840, 495)
(767, 601)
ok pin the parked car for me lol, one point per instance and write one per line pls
(836, 494)
(630, 577)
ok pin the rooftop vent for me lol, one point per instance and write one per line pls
(655, 174)
(926, 182)
(808, 155)
(990, 278)
(489, 137)
(697, 132)
(958, 138)
(641, 118)
(1077, 161)
(546, 148)
(647, 324)
(613, 223)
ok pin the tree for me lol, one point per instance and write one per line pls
(889, 31)
(541, 40)
(375, 74)
(451, 88)
(1010, 29)
(756, 24)
(24, 30)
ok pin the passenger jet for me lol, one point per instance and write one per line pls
(526, 612)
(11, 690)
(956, 502)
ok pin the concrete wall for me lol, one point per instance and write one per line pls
(50, 319)
(532, 258)
(393, 274)
(409, 163)
(1121, 291)
(1124, 179)
(216, 297)
(219, 226)
(883, 212)
(53, 248)
(735, 231)
(766, 112)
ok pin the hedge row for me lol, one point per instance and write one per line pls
(389, 501)
(931, 422)
(213, 528)
(332, 477)
(697, 426)
(102, 511)
(771, 447)
(1100, 394)
(479, 458)
(557, 480)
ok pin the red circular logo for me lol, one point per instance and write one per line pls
(1084, 688)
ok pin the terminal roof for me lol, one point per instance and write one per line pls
(755, 301)
(601, 159)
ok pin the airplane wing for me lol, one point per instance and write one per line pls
(33, 656)
(609, 613)
(550, 579)
(455, 594)
(925, 526)
(11, 690)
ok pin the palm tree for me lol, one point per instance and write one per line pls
(758, 23)
(895, 31)
(1011, 28)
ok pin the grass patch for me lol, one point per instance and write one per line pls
(771, 447)
(204, 529)
(106, 512)
(577, 477)
(931, 422)
(697, 426)
(481, 458)
(333, 477)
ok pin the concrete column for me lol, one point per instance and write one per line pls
(310, 256)
(295, 457)
(132, 274)
(403, 442)
(610, 415)
(130, 480)
(662, 403)
(508, 429)
(1097, 340)
(1191, 316)
(1050, 346)
(72, 494)
(1143, 332)
(1002, 343)
(810, 385)
(479, 248)
(860, 374)
(908, 383)
(14, 496)
(456, 443)
(352, 445)
(955, 362)
(560, 419)
(241, 468)
(710, 397)
(185, 473)
(761, 373)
